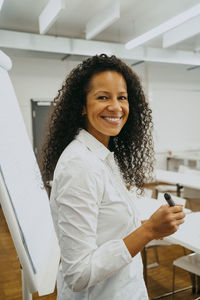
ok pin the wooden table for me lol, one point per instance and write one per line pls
(170, 177)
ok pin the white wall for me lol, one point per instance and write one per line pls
(174, 95)
(173, 92)
(35, 78)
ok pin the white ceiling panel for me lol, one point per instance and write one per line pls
(136, 18)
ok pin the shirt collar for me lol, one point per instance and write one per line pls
(93, 144)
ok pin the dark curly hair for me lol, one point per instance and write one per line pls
(132, 147)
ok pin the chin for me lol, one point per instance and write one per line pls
(113, 132)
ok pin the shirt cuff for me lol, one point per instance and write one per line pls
(127, 254)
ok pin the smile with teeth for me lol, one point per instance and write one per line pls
(114, 119)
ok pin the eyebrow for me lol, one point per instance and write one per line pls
(106, 92)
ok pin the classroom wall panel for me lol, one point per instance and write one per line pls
(176, 119)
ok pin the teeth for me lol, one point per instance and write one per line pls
(112, 119)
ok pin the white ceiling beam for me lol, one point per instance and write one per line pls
(164, 27)
(172, 56)
(103, 19)
(50, 14)
(34, 42)
(60, 45)
(1, 4)
(181, 32)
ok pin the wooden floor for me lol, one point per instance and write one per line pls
(159, 278)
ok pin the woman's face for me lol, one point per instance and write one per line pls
(107, 105)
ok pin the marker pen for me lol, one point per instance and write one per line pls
(169, 200)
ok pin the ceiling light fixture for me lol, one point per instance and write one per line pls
(182, 32)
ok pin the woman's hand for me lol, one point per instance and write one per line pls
(165, 221)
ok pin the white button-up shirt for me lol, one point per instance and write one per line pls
(92, 212)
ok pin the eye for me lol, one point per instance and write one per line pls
(123, 98)
(102, 97)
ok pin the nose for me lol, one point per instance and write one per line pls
(114, 105)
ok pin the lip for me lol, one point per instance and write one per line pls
(112, 117)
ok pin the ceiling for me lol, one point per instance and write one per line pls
(66, 37)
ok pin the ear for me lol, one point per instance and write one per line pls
(84, 112)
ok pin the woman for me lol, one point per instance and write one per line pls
(99, 142)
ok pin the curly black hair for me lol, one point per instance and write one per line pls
(132, 147)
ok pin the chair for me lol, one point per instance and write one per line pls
(190, 263)
(190, 193)
(148, 193)
(165, 188)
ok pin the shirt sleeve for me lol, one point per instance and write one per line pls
(78, 195)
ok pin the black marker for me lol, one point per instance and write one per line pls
(169, 200)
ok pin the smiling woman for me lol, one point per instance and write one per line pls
(107, 105)
(132, 144)
(99, 140)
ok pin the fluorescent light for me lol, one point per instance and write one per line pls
(103, 20)
(162, 28)
(1, 4)
(181, 32)
(50, 14)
